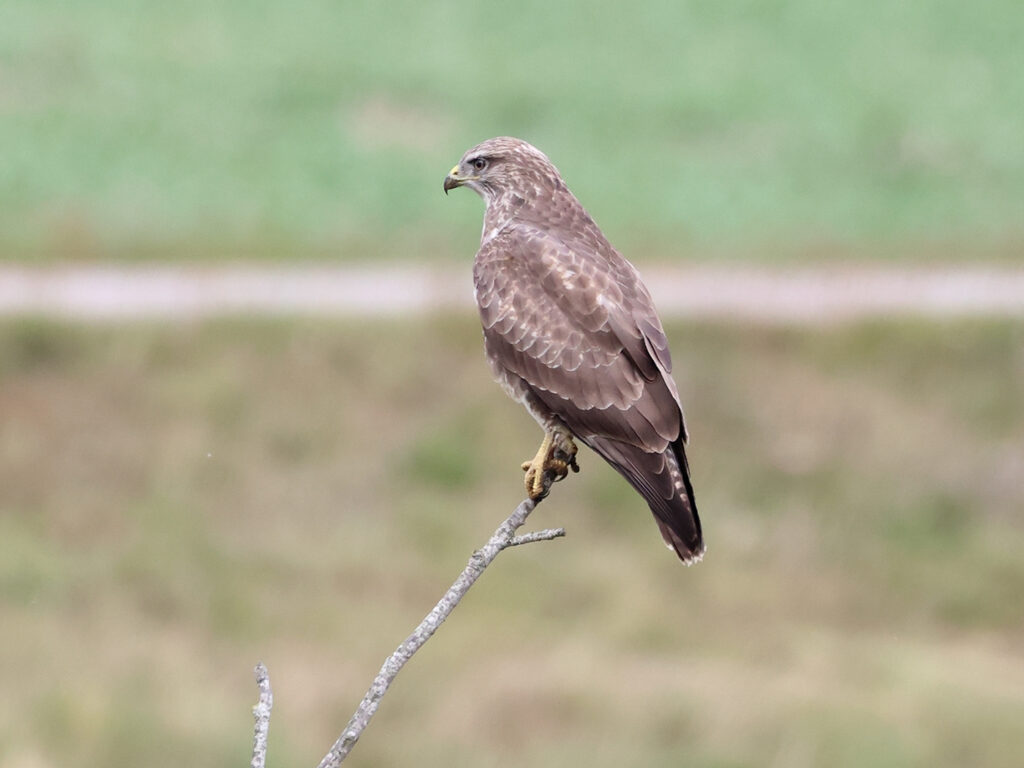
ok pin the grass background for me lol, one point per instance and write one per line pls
(179, 502)
(314, 129)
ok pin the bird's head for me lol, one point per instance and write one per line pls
(504, 166)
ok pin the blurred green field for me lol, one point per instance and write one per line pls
(180, 502)
(700, 130)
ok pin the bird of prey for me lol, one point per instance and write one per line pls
(571, 332)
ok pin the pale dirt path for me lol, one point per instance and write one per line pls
(788, 295)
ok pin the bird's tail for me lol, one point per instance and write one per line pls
(663, 479)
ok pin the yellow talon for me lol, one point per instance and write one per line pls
(549, 466)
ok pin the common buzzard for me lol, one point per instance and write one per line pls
(571, 332)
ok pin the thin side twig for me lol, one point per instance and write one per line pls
(261, 714)
(529, 538)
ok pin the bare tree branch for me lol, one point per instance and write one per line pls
(261, 714)
(503, 538)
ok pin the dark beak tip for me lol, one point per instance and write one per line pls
(450, 183)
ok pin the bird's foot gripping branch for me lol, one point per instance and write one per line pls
(555, 458)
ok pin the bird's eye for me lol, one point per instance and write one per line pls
(479, 163)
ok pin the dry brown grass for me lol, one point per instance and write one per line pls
(177, 503)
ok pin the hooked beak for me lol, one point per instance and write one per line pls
(453, 180)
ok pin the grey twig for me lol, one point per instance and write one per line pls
(261, 714)
(503, 538)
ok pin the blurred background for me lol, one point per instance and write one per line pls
(181, 498)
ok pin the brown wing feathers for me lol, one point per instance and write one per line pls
(604, 373)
